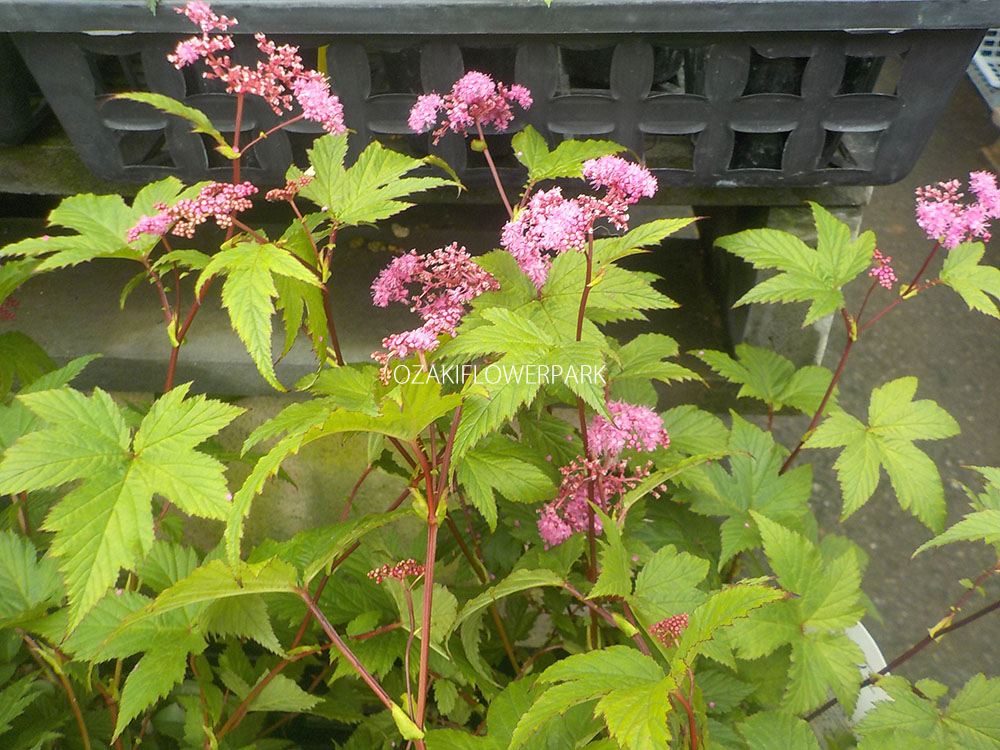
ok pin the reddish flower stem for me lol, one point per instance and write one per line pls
(493, 171)
(692, 726)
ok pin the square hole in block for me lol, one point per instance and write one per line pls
(774, 75)
(878, 75)
(851, 150)
(585, 71)
(758, 150)
(661, 151)
(395, 71)
(677, 70)
(497, 61)
(146, 148)
(114, 74)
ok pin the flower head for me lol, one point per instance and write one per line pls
(883, 271)
(475, 98)
(398, 571)
(632, 427)
(668, 631)
(942, 215)
(218, 200)
(448, 279)
(289, 191)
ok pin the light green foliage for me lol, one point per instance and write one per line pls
(775, 730)
(367, 191)
(565, 160)
(504, 466)
(826, 585)
(15, 699)
(632, 688)
(983, 524)
(753, 483)
(909, 720)
(248, 291)
(964, 273)
(200, 121)
(895, 421)
(805, 275)
(27, 585)
(105, 523)
(766, 375)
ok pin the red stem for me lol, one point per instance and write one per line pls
(354, 492)
(692, 726)
(493, 170)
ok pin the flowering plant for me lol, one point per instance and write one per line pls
(563, 565)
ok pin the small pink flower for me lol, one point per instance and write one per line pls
(632, 427)
(218, 200)
(399, 571)
(475, 98)
(668, 631)
(943, 217)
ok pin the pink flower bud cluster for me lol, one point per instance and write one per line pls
(281, 78)
(475, 98)
(448, 279)
(218, 200)
(568, 512)
(551, 224)
(882, 270)
(668, 631)
(632, 427)
(289, 191)
(945, 219)
(399, 571)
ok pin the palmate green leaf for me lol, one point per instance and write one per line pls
(21, 358)
(105, 523)
(805, 275)
(753, 483)
(166, 564)
(982, 526)
(243, 617)
(972, 717)
(249, 290)
(161, 667)
(565, 160)
(615, 577)
(370, 189)
(906, 711)
(776, 730)
(895, 420)
(766, 375)
(976, 283)
(668, 582)
(27, 585)
(282, 694)
(620, 676)
(609, 249)
(99, 637)
(505, 466)
(643, 358)
(821, 662)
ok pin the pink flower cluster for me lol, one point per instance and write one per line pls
(632, 427)
(218, 200)
(568, 512)
(669, 630)
(945, 219)
(475, 98)
(882, 270)
(399, 571)
(551, 224)
(281, 78)
(448, 279)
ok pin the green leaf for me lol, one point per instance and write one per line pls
(160, 668)
(976, 283)
(369, 190)
(753, 483)
(805, 275)
(982, 526)
(201, 122)
(248, 291)
(615, 578)
(894, 422)
(619, 675)
(766, 375)
(905, 711)
(216, 580)
(565, 160)
(504, 466)
(776, 730)
(282, 694)
(243, 617)
(519, 580)
(972, 716)
(27, 585)
(16, 697)
(105, 523)
(21, 358)
(166, 564)
(822, 662)
(669, 581)
(337, 539)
